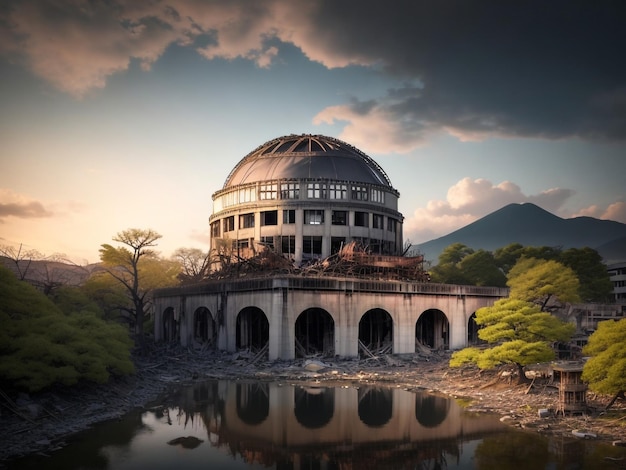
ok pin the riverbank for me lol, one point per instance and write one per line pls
(42, 423)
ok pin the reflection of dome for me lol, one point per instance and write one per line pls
(307, 156)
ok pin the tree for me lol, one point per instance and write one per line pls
(47, 273)
(110, 296)
(137, 267)
(507, 256)
(520, 333)
(595, 284)
(194, 263)
(605, 371)
(540, 281)
(454, 253)
(519, 329)
(460, 264)
(22, 259)
(42, 343)
(481, 270)
(448, 270)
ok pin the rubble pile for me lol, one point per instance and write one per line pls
(352, 260)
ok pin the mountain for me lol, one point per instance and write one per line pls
(530, 225)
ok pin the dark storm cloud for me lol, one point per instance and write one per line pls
(536, 68)
(549, 69)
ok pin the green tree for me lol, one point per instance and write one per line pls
(453, 254)
(40, 344)
(507, 256)
(448, 271)
(460, 264)
(595, 284)
(520, 334)
(138, 268)
(448, 274)
(541, 282)
(548, 253)
(481, 270)
(110, 296)
(605, 371)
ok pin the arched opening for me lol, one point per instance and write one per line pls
(375, 406)
(204, 330)
(433, 330)
(314, 407)
(253, 402)
(431, 410)
(375, 333)
(472, 330)
(169, 325)
(253, 330)
(315, 333)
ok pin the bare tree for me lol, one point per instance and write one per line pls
(194, 262)
(22, 259)
(47, 273)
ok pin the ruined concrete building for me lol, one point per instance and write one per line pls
(307, 251)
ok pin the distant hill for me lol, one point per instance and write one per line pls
(531, 225)
(44, 274)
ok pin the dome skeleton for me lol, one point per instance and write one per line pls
(300, 157)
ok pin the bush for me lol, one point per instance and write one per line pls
(41, 345)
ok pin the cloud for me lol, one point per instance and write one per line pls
(16, 205)
(615, 211)
(485, 68)
(469, 200)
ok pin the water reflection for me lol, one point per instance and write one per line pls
(240, 425)
(314, 407)
(375, 406)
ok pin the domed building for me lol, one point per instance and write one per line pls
(305, 196)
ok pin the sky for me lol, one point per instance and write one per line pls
(131, 114)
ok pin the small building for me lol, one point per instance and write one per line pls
(572, 389)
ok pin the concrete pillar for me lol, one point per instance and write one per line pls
(403, 328)
(458, 324)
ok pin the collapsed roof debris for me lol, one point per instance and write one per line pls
(352, 260)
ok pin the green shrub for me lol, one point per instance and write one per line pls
(41, 344)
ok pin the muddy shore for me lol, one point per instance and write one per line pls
(41, 423)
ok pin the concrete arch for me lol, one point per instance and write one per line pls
(376, 332)
(314, 407)
(314, 332)
(432, 329)
(204, 327)
(472, 330)
(252, 329)
(169, 325)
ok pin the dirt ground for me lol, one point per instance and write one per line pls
(41, 423)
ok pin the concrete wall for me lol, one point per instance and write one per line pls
(282, 300)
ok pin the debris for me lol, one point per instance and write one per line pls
(314, 366)
(584, 434)
(352, 260)
(543, 413)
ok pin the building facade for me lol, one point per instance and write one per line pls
(617, 275)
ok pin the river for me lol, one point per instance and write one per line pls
(230, 424)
